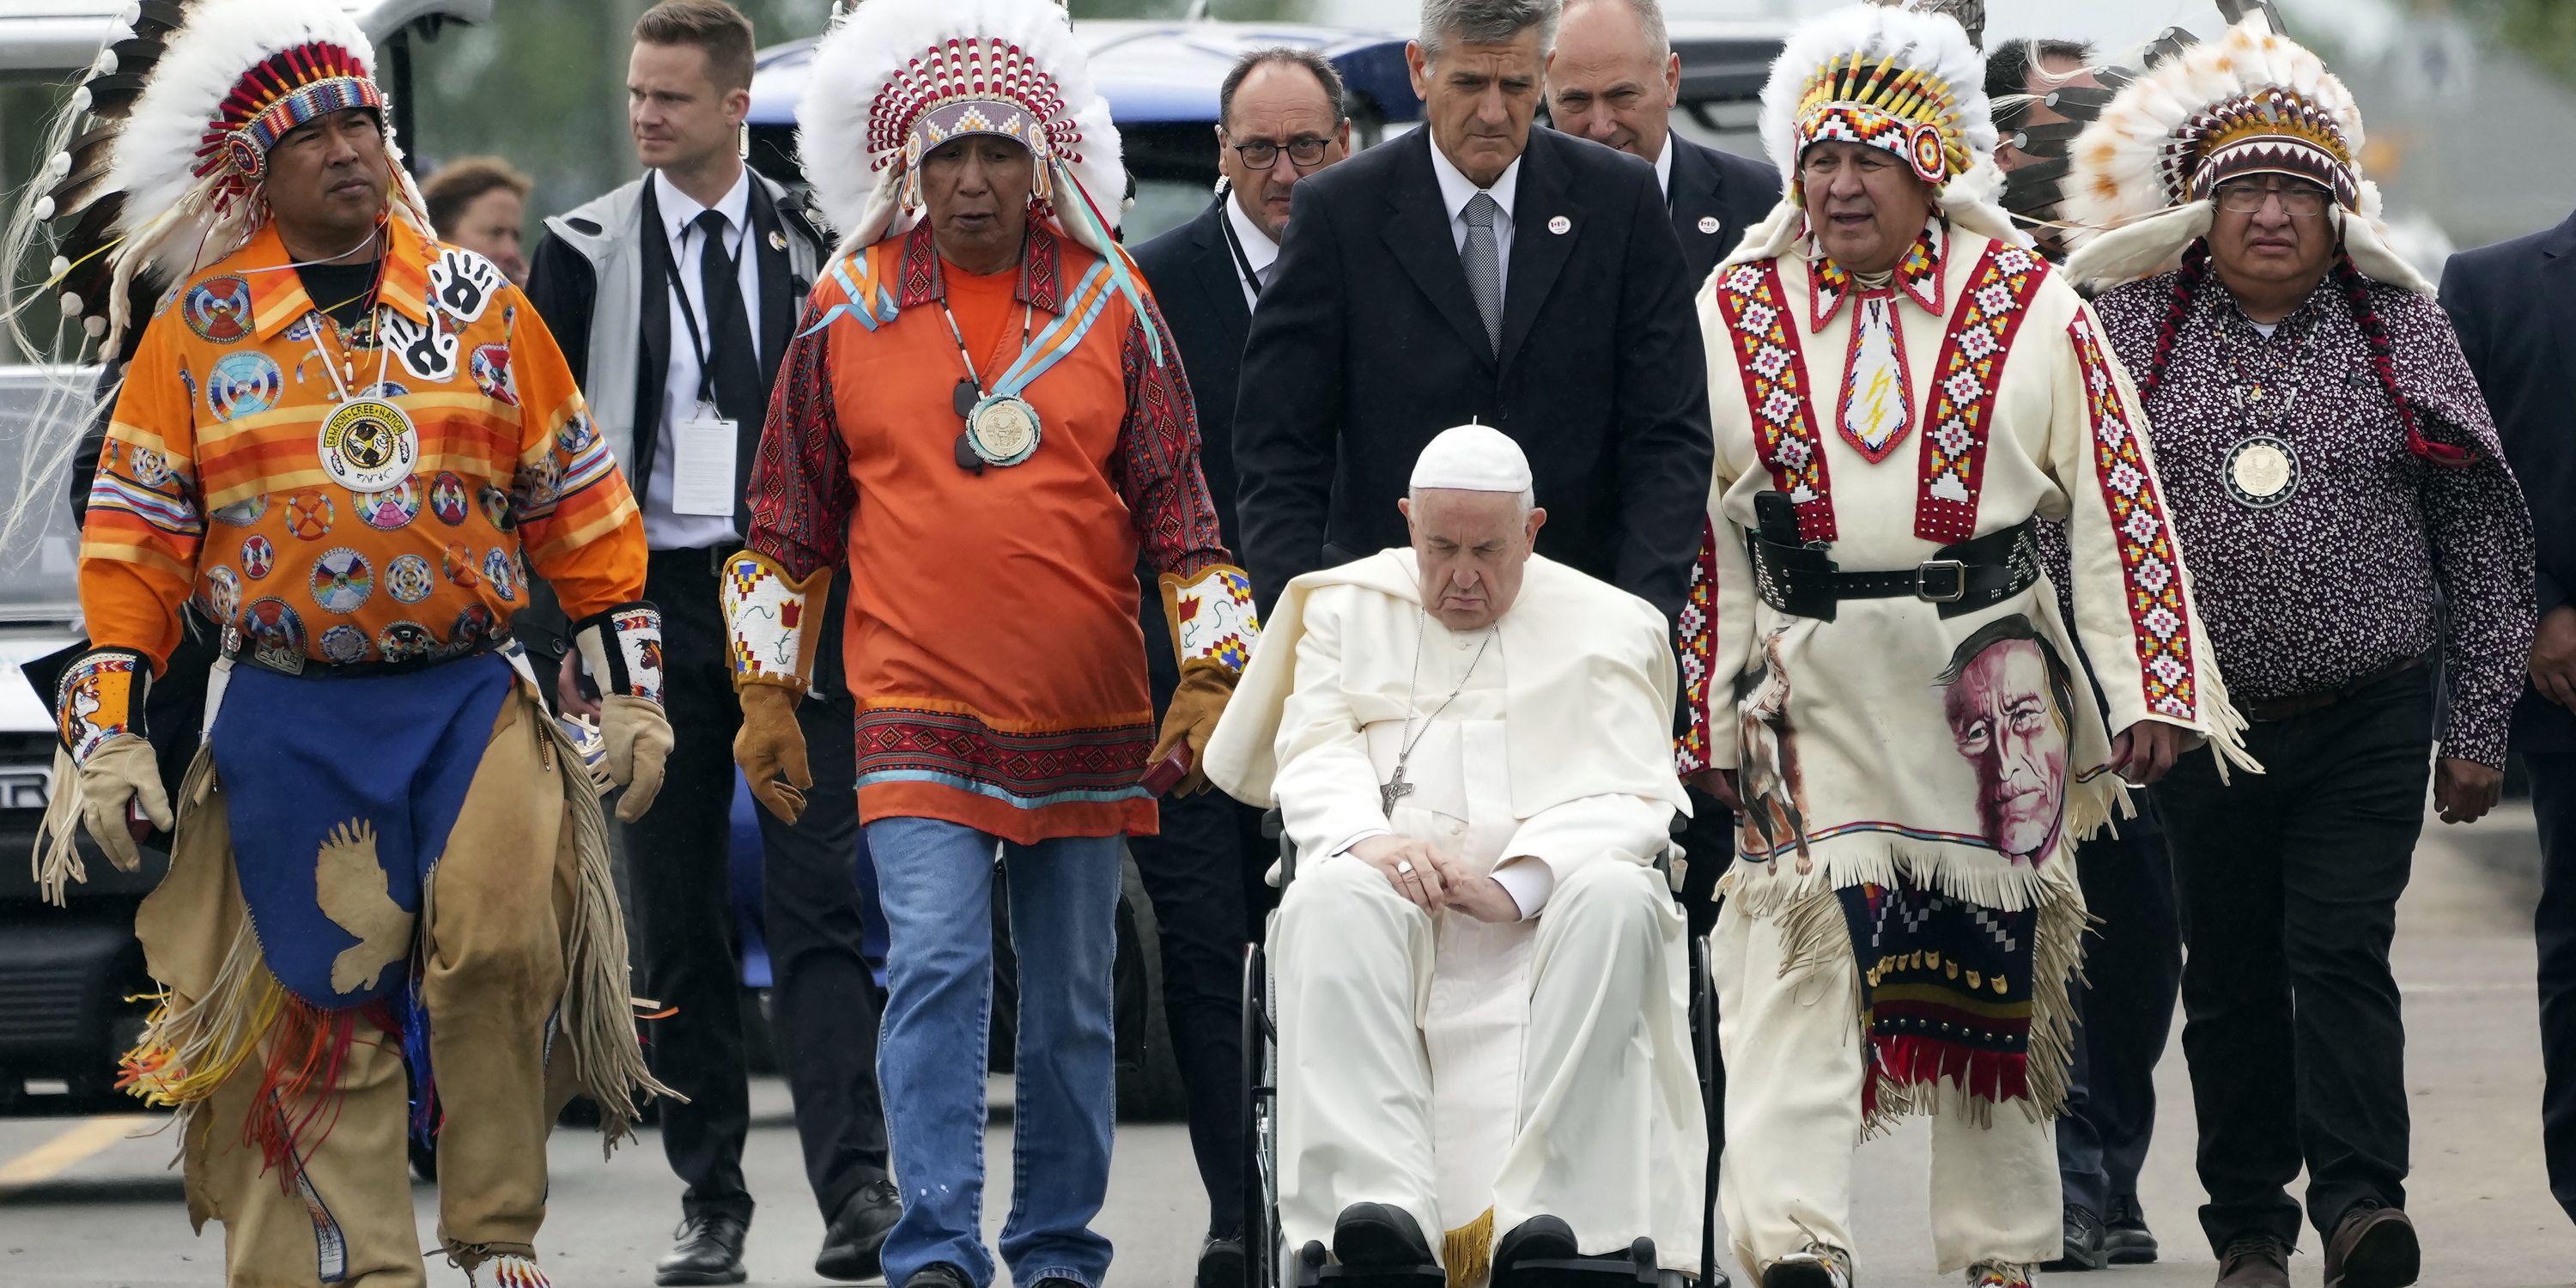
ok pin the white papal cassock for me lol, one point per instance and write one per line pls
(1476, 1075)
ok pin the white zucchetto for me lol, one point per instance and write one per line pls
(1473, 458)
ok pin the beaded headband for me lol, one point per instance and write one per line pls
(2271, 130)
(965, 87)
(281, 92)
(1904, 111)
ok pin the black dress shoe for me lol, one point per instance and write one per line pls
(855, 1239)
(2083, 1247)
(708, 1251)
(2126, 1240)
(2373, 1247)
(1540, 1238)
(1379, 1236)
(1221, 1261)
(939, 1274)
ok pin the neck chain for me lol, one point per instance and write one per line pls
(1395, 788)
(2250, 393)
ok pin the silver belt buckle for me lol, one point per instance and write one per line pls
(1923, 573)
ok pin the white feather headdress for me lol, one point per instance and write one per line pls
(182, 107)
(2254, 101)
(898, 77)
(1905, 80)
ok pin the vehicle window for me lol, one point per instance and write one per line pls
(1161, 205)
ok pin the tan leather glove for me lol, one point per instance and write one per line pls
(639, 743)
(119, 773)
(771, 750)
(1197, 701)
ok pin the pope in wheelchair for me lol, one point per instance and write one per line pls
(1485, 1062)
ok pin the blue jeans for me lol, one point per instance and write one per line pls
(936, 881)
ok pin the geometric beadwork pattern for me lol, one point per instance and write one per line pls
(1918, 275)
(2158, 615)
(1698, 631)
(1965, 380)
(915, 741)
(1774, 372)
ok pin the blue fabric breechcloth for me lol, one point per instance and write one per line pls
(341, 793)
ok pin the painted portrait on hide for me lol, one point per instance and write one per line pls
(2008, 698)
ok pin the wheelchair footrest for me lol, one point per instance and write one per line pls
(1638, 1266)
(1314, 1272)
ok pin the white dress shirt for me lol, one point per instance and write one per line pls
(1261, 252)
(1664, 170)
(1456, 190)
(663, 528)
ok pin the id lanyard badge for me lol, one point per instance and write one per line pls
(702, 445)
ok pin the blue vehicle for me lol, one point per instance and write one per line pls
(1161, 81)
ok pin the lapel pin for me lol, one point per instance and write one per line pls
(1560, 225)
(778, 240)
(1708, 224)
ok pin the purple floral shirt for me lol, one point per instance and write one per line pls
(2353, 570)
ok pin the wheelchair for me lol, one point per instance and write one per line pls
(1269, 1263)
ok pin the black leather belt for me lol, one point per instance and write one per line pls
(1802, 580)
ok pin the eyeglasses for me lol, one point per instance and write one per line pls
(2298, 200)
(1303, 151)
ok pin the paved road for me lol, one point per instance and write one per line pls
(84, 1203)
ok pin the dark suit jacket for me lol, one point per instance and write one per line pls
(1708, 184)
(1200, 292)
(1366, 345)
(2514, 306)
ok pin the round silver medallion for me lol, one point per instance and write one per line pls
(369, 445)
(2262, 472)
(1002, 430)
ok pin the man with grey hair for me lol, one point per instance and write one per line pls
(1615, 79)
(1279, 119)
(1478, 270)
(1484, 1056)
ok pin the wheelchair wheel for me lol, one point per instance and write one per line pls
(1264, 1262)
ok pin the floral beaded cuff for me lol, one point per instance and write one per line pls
(769, 627)
(1211, 617)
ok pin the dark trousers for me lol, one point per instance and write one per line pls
(2133, 962)
(825, 1002)
(1197, 872)
(2289, 882)
(2553, 802)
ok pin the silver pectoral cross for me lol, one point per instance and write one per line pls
(1393, 789)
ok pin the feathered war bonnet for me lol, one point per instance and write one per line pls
(1907, 81)
(182, 108)
(2142, 184)
(898, 78)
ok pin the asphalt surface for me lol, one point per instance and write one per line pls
(91, 1202)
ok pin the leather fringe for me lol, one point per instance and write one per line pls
(1814, 934)
(1467, 1253)
(596, 1021)
(57, 860)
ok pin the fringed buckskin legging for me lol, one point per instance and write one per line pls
(306, 1167)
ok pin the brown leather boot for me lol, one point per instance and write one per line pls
(2373, 1247)
(2254, 1261)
